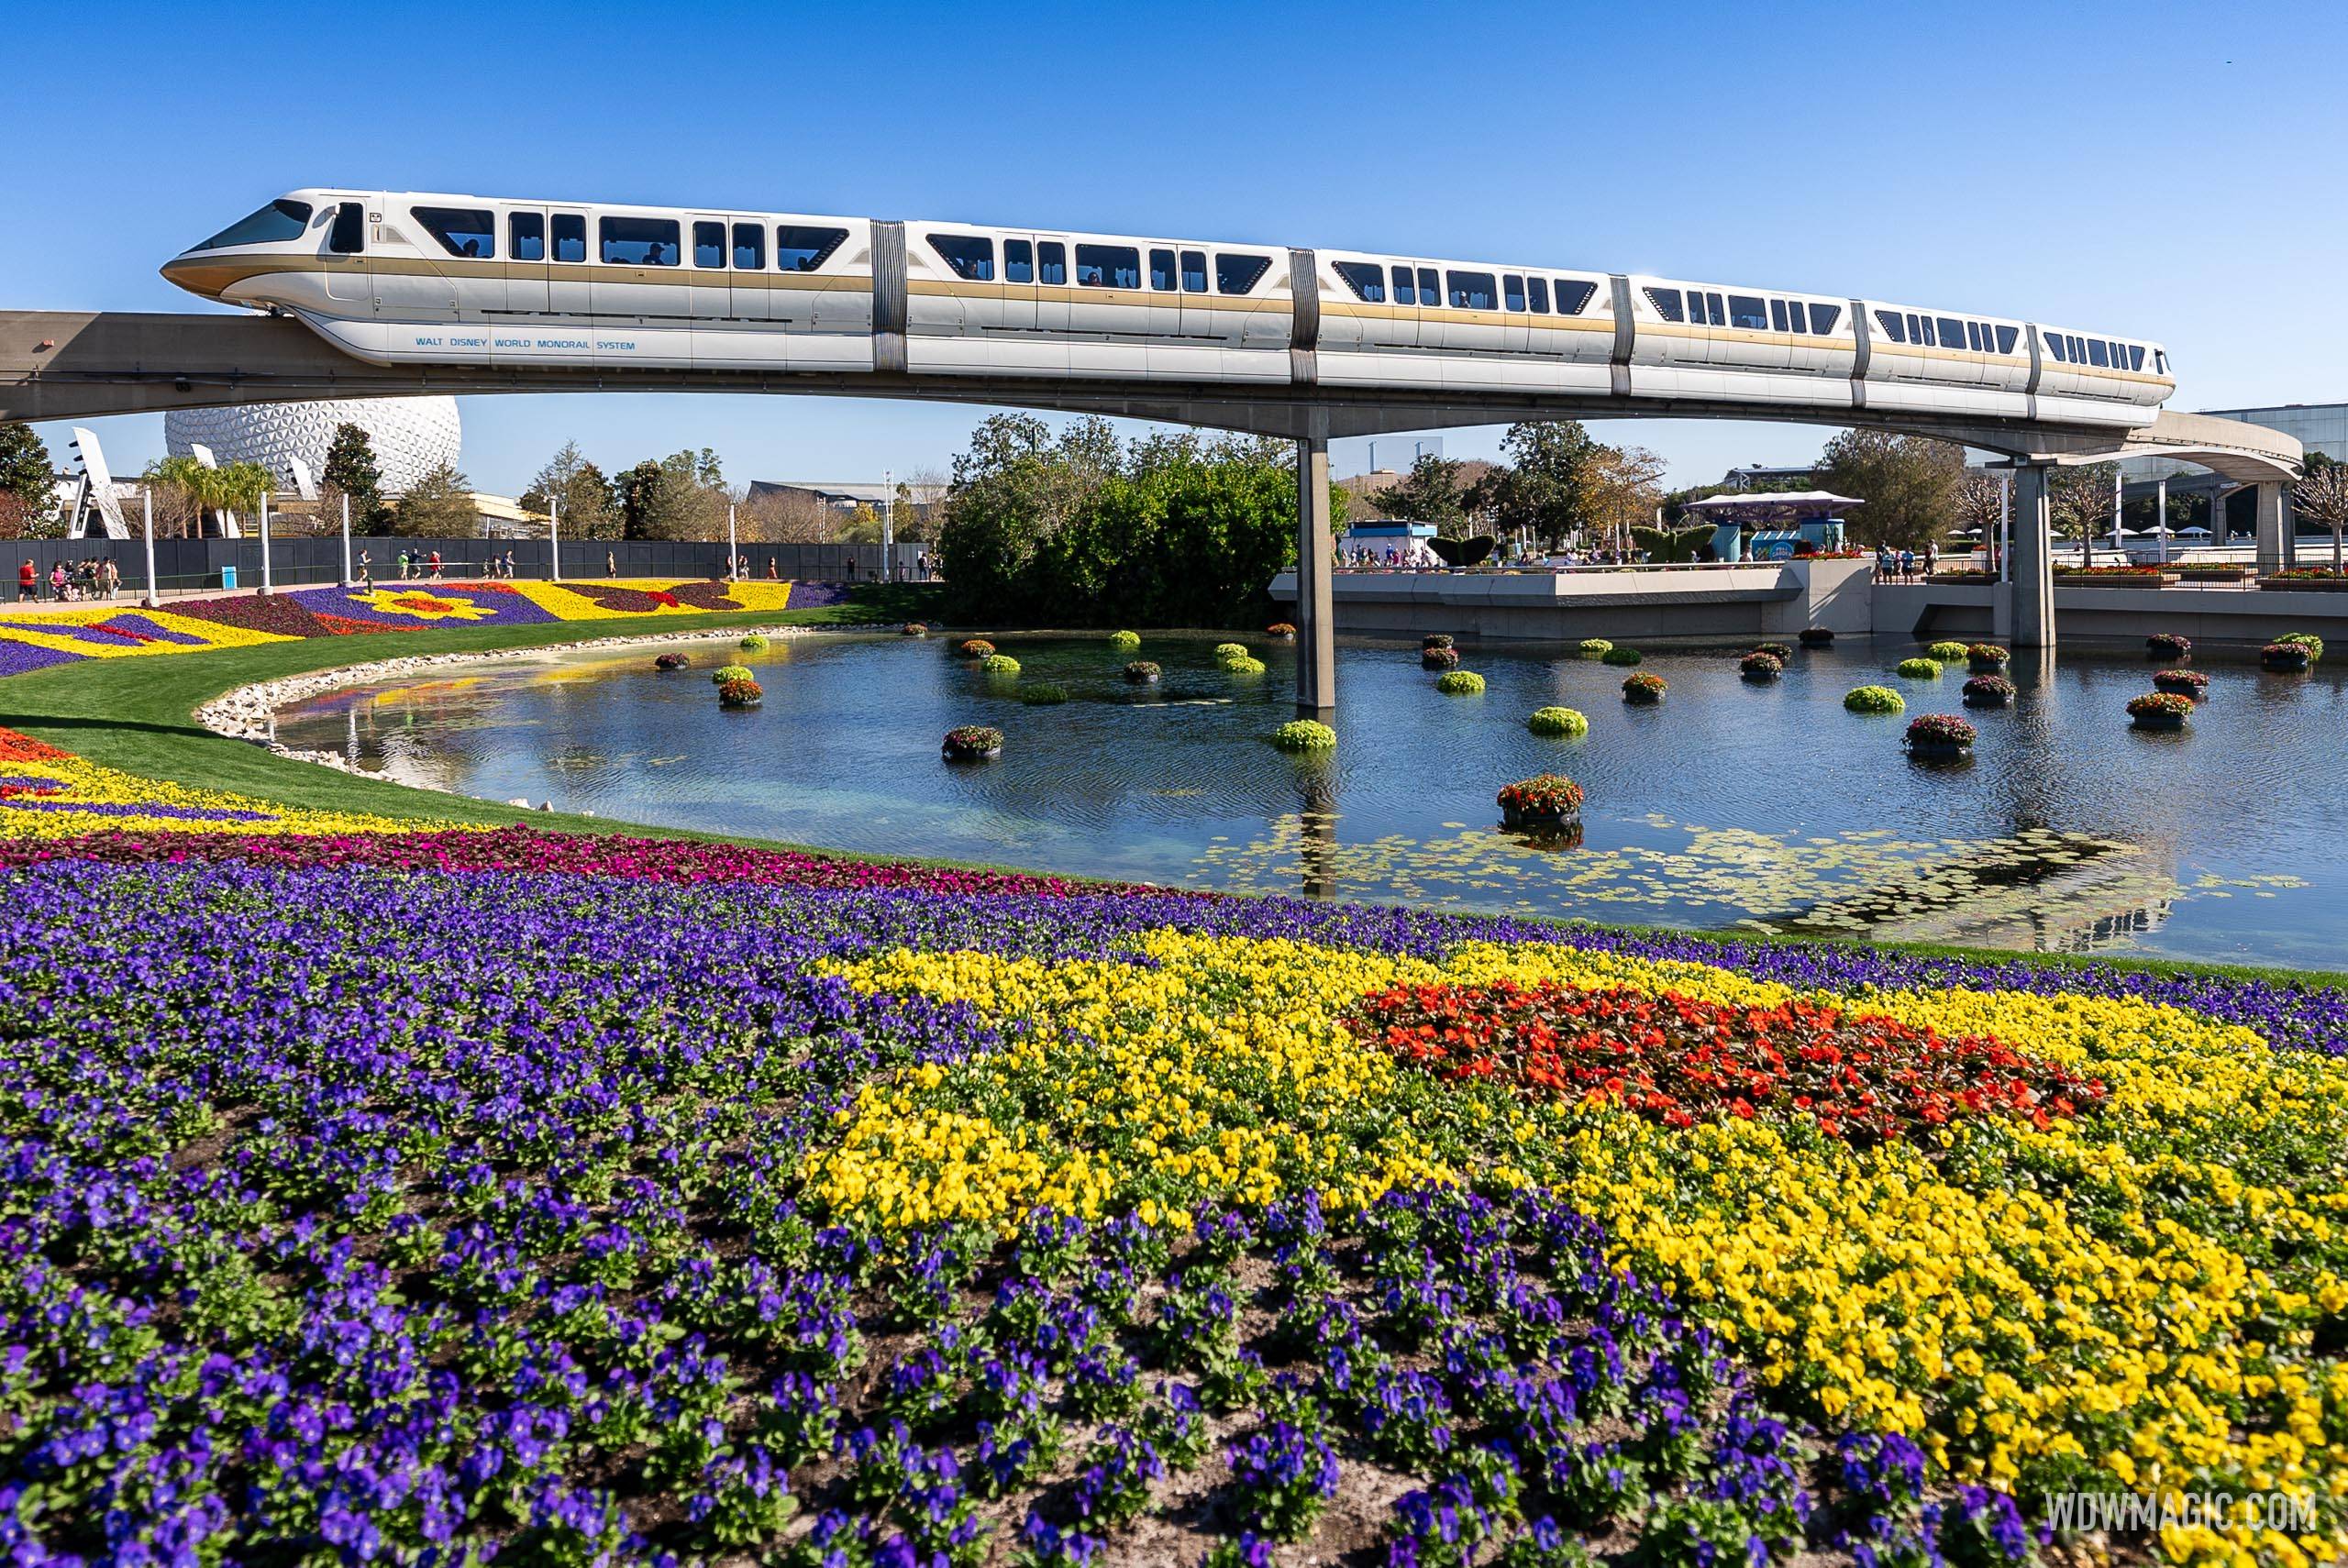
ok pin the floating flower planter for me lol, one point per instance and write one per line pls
(2182, 682)
(740, 694)
(2307, 640)
(2289, 658)
(1921, 669)
(1989, 691)
(1759, 666)
(1124, 642)
(671, 661)
(1593, 648)
(1565, 721)
(1435, 640)
(1987, 658)
(1280, 632)
(1228, 651)
(1643, 691)
(1874, 700)
(753, 644)
(1244, 665)
(972, 742)
(2167, 645)
(1816, 638)
(726, 672)
(1460, 683)
(1141, 672)
(1043, 694)
(1439, 658)
(914, 629)
(1946, 652)
(1782, 652)
(1940, 736)
(1304, 735)
(1000, 664)
(975, 647)
(2159, 711)
(1546, 801)
(1615, 656)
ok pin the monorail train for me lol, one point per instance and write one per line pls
(400, 278)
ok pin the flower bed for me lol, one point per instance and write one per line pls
(1918, 670)
(2115, 576)
(2320, 579)
(1304, 735)
(2160, 711)
(1758, 666)
(972, 742)
(1782, 652)
(740, 694)
(1545, 799)
(1142, 672)
(2183, 683)
(1459, 683)
(1558, 722)
(974, 648)
(2167, 645)
(1989, 691)
(1618, 656)
(1987, 658)
(1874, 700)
(1280, 632)
(1444, 658)
(1644, 691)
(1940, 734)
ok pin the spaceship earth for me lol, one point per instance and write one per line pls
(412, 435)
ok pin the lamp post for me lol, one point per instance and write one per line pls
(148, 496)
(554, 538)
(888, 526)
(729, 541)
(266, 587)
(346, 541)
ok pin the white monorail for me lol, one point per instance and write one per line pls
(399, 278)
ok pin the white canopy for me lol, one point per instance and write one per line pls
(1785, 499)
(2196, 529)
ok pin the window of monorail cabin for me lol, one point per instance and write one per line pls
(1666, 303)
(749, 247)
(638, 241)
(280, 220)
(349, 235)
(1108, 267)
(525, 237)
(1019, 260)
(1822, 318)
(2007, 338)
(1161, 269)
(468, 232)
(970, 257)
(570, 237)
(1539, 289)
(803, 249)
(1194, 271)
(709, 245)
(1572, 294)
(1430, 288)
(1746, 311)
(1404, 292)
(1472, 291)
(1366, 279)
(1051, 261)
(1513, 290)
(1237, 274)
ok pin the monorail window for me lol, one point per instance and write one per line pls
(799, 249)
(1051, 261)
(281, 219)
(1538, 289)
(1194, 271)
(1237, 274)
(1889, 321)
(638, 241)
(2160, 360)
(2098, 354)
(1747, 312)
(2054, 347)
(1666, 303)
(1777, 317)
(1430, 288)
(1471, 291)
(709, 245)
(2007, 338)
(1019, 260)
(1161, 269)
(1822, 318)
(2136, 356)
(570, 237)
(750, 248)
(970, 257)
(525, 237)
(1405, 292)
(1368, 280)
(1919, 331)
(470, 232)
(1952, 332)
(1108, 267)
(1572, 294)
(349, 235)
(1713, 307)
(1972, 335)
(1512, 291)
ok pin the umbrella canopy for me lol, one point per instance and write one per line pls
(1776, 498)
(2197, 529)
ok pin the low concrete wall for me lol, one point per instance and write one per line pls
(2219, 615)
(1710, 604)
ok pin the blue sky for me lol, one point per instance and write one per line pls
(2168, 170)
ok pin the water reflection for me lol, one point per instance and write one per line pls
(1730, 804)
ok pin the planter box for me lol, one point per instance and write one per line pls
(1987, 701)
(2123, 580)
(2159, 722)
(1538, 822)
(2304, 584)
(2213, 574)
(1939, 750)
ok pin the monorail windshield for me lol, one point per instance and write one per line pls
(281, 220)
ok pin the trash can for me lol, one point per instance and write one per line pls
(227, 577)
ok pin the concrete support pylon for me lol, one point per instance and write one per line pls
(2033, 588)
(2273, 518)
(1316, 631)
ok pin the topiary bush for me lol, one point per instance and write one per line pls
(1874, 700)
(1558, 722)
(1944, 652)
(726, 672)
(1141, 672)
(2167, 645)
(1124, 642)
(1593, 648)
(1545, 799)
(1459, 683)
(1439, 658)
(1989, 691)
(1000, 664)
(753, 644)
(2184, 682)
(2159, 711)
(1619, 656)
(740, 694)
(1043, 694)
(1924, 668)
(1758, 666)
(1244, 664)
(1304, 735)
(975, 647)
(1643, 691)
(972, 742)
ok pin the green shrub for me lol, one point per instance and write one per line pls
(1558, 722)
(1591, 647)
(1921, 668)
(2307, 640)
(1000, 664)
(1043, 694)
(1874, 700)
(753, 644)
(726, 672)
(1124, 642)
(1243, 666)
(1304, 735)
(1459, 683)
(1231, 650)
(1618, 655)
(1946, 652)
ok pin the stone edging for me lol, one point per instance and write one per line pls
(249, 712)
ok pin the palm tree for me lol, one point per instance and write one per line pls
(242, 486)
(191, 483)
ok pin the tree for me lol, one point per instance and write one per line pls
(2321, 495)
(2079, 502)
(1542, 489)
(677, 497)
(1432, 491)
(1909, 482)
(1621, 488)
(352, 472)
(441, 503)
(184, 491)
(585, 496)
(24, 470)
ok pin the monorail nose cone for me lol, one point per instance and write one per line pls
(187, 269)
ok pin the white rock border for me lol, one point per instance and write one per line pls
(249, 712)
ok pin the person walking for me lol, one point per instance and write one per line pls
(114, 578)
(57, 583)
(435, 566)
(402, 564)
(1932, 557)
(611, 564)
(772, 574)
(366, 572)
(28, 581)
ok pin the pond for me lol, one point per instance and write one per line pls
(1730, 804)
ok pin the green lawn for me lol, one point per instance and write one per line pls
(136, 714)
